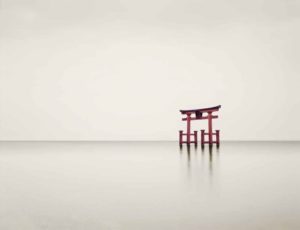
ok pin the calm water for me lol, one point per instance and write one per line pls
(149, 185)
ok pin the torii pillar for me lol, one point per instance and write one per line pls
(188, 133)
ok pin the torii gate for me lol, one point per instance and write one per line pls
(197, 114)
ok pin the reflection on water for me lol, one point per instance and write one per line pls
(149, 185)
(201, 164)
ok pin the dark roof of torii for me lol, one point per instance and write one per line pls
(215, 108)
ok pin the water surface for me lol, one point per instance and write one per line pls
(149, 185)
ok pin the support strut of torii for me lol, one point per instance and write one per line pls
(200, 114)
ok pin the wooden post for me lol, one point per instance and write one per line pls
(210, 137)
(218, 137)
(195, 137)
(188, 128)
(202, 137)
(180, 137)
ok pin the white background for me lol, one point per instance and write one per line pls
(121, 70)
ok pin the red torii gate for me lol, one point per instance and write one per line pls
(200, 114)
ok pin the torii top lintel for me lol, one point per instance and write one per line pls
(198, 112)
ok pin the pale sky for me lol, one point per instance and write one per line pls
(121, 70)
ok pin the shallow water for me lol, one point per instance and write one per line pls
(149, 185)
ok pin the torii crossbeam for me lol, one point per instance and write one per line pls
(200, 114)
